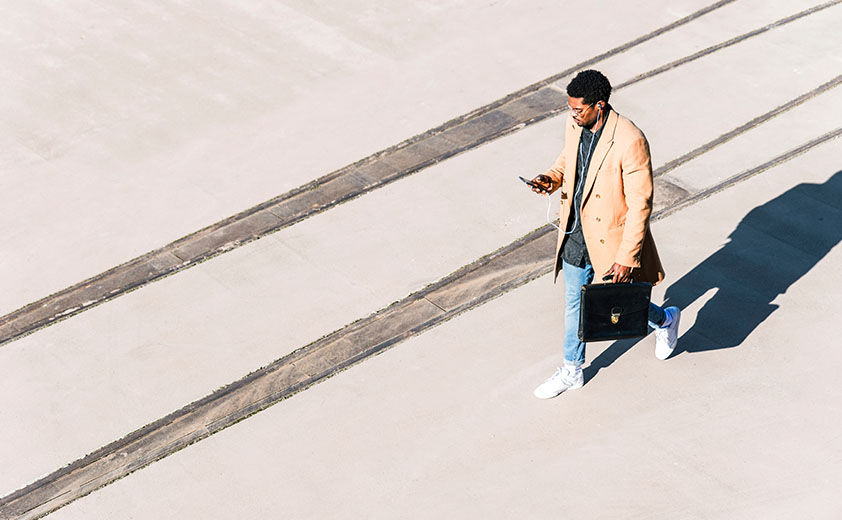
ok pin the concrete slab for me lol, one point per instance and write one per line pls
(697, 102)
(203, 244)
(735, 433)
(265, 300)
(126, 127)
(122, 365)
(807, 121)
(728, 22)
(432, 148)
(156, 350)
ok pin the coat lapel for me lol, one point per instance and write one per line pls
(572, 153)
(599, 153)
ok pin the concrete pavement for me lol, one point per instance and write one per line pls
(525, 106)
(78, 385)
(445, 424)
(137, 124)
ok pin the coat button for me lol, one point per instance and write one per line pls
(597, 195)
(601, 241)
(598, 219)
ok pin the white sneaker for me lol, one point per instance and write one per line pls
(667, 337)
(563, 379)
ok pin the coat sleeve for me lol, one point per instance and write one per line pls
(638, 191)
(556, 171)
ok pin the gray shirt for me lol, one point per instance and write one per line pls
(574, 251)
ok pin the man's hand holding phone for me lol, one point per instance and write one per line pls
(541, 184)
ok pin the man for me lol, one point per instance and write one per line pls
(605, 176)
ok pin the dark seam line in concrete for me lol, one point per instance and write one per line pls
(526, 106)
(506, 269)
(587, 63)
(727, 183)
(434, 303)
(724, 138)
(728, 43)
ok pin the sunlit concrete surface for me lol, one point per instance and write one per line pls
(128, 125)
(131, 125)
(446, 425)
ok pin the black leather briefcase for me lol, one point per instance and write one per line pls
(610, 311)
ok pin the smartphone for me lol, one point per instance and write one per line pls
(533, 185)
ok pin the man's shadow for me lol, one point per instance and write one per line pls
(771, 248)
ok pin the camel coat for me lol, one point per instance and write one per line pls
(616, 201)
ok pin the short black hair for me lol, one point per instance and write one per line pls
(591, 85)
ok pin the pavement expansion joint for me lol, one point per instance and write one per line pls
(731, 181)
(757, 121)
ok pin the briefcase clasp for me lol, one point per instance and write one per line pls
(615, 315)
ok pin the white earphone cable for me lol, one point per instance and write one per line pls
(549, 206)
(576, 210)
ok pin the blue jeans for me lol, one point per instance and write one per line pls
(574, 279)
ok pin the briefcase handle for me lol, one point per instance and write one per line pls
(608, 277)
